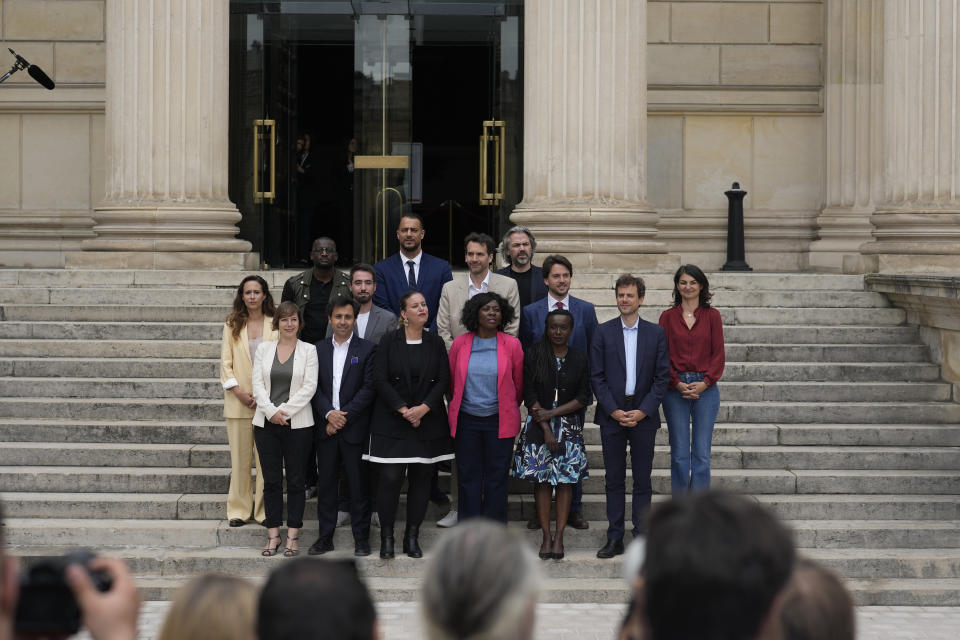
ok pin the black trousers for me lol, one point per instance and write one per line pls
(614, 443)
(483, 464)
(388, 493)
(335, 454)
(282, 448)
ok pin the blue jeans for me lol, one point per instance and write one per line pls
(690, 460)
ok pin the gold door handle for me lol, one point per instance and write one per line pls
(494, 131)
(259, 135)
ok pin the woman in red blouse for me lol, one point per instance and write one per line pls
(695, 340)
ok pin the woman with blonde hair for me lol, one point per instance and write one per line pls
(212, 607)
(250, 322)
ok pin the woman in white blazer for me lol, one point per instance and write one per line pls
(249, 323)
(284, 380)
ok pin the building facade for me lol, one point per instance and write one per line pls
(611, 127)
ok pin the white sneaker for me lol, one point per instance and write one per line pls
(375, 519)
(343, 518)
(449, 520)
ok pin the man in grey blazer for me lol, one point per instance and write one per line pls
(479, 251)
(372, 321)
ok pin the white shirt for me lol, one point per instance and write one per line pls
(630, 354)
(552, 302)
(484, 286)
(416, 265)
(339, 361)
(362, 320)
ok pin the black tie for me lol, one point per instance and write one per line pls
(411, 274)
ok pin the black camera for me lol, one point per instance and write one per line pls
(47, 604)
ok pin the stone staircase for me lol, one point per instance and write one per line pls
(832, 415)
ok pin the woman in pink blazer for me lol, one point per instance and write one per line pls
(486, 380)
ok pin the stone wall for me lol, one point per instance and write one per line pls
(51, 166)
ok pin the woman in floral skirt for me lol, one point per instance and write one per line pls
(556, 389)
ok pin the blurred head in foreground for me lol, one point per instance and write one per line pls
(482, 584)
(714, 567)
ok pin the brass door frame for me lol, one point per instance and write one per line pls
(494, 131)
(259, 135)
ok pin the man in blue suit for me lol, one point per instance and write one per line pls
(517, 250)
(630, 370)
(341, 409)
(557, 275)
(411, 268)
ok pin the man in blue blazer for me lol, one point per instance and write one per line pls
(630, 370)
(517, 251)
(411, 268)
(342, 407)
(557, 275)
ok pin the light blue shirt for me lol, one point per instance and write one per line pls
(480, 390)
(630, 351)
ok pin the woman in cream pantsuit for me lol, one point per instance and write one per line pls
(249, 323)
(284, 381)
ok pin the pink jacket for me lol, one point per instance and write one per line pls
(509, 380)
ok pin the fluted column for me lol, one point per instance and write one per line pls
(585, 133)
(167, 134)
(853, 115)
(918, 222)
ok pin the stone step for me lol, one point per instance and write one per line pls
(835, 372)
(208, 534)
(206, 506)
(826, 353)
(208, 368)
(735, 334)
(754, 315)
(904, 435)
(113, 408)
(722, 457)
(29, 478)
(120, 312)
(111, 348)
(902, 592)
(889, 563)
(97, 429)
(838, 412)
(186, 388)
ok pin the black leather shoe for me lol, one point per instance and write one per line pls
(533, 523)
(386, 546)
(321, 546)
(361, 548)
(411, 542)
(576, 520)
(237, 522)
(611, 549)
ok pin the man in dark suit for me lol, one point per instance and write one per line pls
(372, 321)
(557, 276)
(517, 251)
(630, 370)
(342, 406)
(411, 268)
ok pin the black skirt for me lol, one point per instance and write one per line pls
(386, 450)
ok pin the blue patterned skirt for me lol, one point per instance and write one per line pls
(533, 461)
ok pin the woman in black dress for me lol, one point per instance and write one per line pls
(408, 430)
(550, 452)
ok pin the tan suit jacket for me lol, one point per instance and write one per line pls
(236, 367)
(456, 293)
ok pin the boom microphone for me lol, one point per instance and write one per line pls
(35, 72)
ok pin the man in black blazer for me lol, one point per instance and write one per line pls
(630, 370)
(342, 407)
(517, 251)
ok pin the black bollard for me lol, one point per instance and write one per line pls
(736, 258)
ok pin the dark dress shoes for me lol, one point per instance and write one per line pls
(361, 548)
(386, 546)
(411, 542)
(612, 548)
(321, 546)
(237, 522)
(576, 520)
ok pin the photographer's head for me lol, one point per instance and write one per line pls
(316, 599)
(723, 552)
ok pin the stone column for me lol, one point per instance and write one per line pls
(918, 222)
(165, 203)
(853, 115)
(585, 134)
